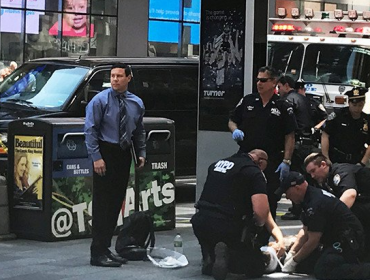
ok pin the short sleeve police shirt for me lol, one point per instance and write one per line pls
(345, 176)
(346, 133)
(323, 212)
(264, 127)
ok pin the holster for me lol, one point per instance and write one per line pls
(250, 233)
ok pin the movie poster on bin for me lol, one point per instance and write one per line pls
(28, 172)
(221, 61)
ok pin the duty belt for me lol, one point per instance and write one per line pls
(305, 141)
(343, 154)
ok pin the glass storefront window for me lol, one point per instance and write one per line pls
(163, 31)
(192, 10)
(164, 9)
(11, 34)
(104, 7)
(40, 5)
(190, 39)
(12, 3)
(102, 44)
(38, 41)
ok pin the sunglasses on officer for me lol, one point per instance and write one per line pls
(262, 80)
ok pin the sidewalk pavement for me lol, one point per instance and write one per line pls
(26, 259)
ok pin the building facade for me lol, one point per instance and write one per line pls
(43, 28)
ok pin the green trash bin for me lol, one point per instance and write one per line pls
(156, 181)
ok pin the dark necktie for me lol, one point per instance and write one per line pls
(123, 141)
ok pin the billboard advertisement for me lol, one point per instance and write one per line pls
(28, 172)
(221, 62)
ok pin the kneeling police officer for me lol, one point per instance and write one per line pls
(329, 227)
(233, 207)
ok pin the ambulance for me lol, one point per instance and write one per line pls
(328, 50)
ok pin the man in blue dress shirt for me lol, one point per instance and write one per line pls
(114, 122)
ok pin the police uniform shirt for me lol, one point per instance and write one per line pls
(345, 176)
(347, 134)
(302, 112)
(230, 184)
(318, 111)
(323, 212)
(264, 127)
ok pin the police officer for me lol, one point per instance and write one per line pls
(318, 111)
(262, 121)
(301, 106)
(304, 142)
(348, 182)
(232, 207)
(347, 131)
(326, 221)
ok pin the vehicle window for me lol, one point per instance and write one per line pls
(185, 87)
(286, 58)
(153, 86)
(45, 86)
(337, 64)
(100, 81)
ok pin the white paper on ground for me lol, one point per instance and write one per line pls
(166, 258)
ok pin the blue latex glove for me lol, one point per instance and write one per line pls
(238, 135)
(284, 169)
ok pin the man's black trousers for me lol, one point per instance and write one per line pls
(109, 192)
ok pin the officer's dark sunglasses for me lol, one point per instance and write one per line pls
(262, 80)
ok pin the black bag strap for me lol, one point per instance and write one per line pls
(151, 239)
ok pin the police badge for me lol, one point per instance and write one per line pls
(331, 116)
(356, 92)
(365, 127)
(336, 179)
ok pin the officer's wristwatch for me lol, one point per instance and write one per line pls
(287, 161)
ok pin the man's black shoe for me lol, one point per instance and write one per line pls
(104, 261)
(115, 257)
(289, 216)
(220, 269)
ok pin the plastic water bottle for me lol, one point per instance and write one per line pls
(177, 244)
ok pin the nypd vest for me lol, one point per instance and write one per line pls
(225, 190)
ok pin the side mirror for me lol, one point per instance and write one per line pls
(88, 95)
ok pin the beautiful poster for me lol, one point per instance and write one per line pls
(28, 171)
(221, 62)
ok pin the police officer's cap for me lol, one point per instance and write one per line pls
(357, 94)
(293, 179)
(299, 84)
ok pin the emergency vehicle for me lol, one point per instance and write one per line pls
(328, 50)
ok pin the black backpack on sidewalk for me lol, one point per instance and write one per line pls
(136, 234)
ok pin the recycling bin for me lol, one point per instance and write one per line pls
(154, 187)
(49, 179)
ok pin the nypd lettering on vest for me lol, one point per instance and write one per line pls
(223, 166)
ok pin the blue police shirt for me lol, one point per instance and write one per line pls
(103, 117)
